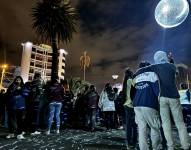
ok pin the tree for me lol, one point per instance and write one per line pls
(77, 85)
(54, 21)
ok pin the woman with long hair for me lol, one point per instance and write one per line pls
(16, 108)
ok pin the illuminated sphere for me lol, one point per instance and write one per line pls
(171, 13)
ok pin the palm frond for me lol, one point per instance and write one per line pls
(54, 18)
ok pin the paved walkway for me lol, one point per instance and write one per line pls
(70, 140)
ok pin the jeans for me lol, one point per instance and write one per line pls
(54, 111)
(91, 118)
(173, 105)
(131, 127)
(145, 117)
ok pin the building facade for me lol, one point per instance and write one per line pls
(38, 59)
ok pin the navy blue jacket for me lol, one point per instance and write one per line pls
(16, 99)
(167, 74)
(146, 90)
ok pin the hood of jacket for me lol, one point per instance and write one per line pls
(160, 57)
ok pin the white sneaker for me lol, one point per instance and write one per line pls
(189, 134)
(20, 137)
(120, 128)
(57, 131)
(10, 136)
(47, 132)
(36, 133)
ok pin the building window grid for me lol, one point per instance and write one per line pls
(46, 60)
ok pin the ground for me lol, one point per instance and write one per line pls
(69, 139)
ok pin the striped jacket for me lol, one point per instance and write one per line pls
(146, 90)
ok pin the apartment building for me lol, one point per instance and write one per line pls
(38, 58)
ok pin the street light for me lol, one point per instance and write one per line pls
(115, 77)
(4, 67)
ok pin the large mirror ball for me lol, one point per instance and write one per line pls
(171, 13)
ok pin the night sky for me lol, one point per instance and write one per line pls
(115, 33)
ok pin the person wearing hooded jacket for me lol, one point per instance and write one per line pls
(91, 104)
(36, 87)
(55, 96)
(169, 99)
(107, 105)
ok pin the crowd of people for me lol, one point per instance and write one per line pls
(147, 106)
(32, 107)
(153, 94)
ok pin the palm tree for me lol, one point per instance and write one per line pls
(54, 21)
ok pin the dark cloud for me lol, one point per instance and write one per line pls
(98, 16)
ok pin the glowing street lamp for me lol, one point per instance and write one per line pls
(4, 67)
(115, 76)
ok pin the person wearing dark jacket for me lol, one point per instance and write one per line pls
(120, 110)
(146, 106)
(55, 96)
(131, 127)
(36, 87)
(92, 105)
(16, 108)
(169, 99)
